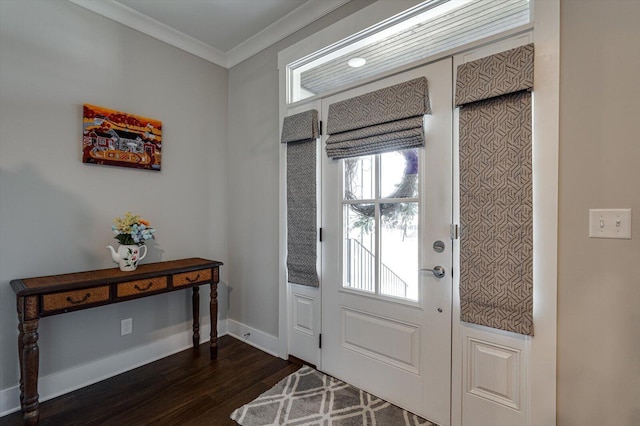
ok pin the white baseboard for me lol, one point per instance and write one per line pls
(63, 382)
(258, 339)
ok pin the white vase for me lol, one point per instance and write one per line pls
(128, 256)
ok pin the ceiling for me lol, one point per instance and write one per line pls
(224, 32)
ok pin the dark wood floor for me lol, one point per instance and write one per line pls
(183, 389)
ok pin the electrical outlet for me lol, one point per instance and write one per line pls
(610, 223)
(126, 326)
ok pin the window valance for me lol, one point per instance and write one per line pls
(384, 120)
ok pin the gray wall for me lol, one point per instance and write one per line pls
(599, 280)
(56, 212)
(253, 180)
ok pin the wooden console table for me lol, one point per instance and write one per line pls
(57, 294)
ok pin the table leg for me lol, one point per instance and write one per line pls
(29, 359)
(195, 299)
(20, 347)
(213, 310)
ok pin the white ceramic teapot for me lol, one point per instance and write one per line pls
(128, 256)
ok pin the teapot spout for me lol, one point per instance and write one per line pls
(114, 255)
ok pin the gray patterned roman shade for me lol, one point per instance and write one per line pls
(496, 201)
(300, 132)
(506, 72)
(384, 120)
(301, 127)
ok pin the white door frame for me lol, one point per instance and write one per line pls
(541, 371)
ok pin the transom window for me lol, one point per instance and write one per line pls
(432, 27)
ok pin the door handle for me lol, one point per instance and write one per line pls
(438, 271)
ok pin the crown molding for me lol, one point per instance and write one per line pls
(131, 18)
(284, 27)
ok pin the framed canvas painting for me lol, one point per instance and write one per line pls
(120, 139)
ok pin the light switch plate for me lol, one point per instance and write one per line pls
(610, 223)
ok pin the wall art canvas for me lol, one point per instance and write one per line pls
(117, 138)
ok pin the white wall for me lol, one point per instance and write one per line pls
(56, 212)
(599, 280)
(253, 180)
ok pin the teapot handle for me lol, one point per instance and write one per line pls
(145, 252)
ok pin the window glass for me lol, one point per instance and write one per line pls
(399, 174)
(399, 250)
(359, 247)
(358, 178)
(380, 234)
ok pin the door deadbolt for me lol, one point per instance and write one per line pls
(438, 246)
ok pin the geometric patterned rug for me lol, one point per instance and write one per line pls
(310, 398)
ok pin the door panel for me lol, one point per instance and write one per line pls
(394, 344)
(384, 339)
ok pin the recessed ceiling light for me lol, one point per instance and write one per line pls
(356, 62)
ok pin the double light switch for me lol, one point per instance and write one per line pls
(610, 223)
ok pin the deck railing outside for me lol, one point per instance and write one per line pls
(361, 272)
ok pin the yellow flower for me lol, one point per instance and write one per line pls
(125, 224)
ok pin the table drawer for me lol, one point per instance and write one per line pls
(132, 288)
(70, 299)
(187, 278)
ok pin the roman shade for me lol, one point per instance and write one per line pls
(302, 127)
(496, 201)
(300, 132)
(496, 75)
(388, 119)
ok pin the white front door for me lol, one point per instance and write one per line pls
(386, 326)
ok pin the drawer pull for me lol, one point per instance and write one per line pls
(194, 279)
(148, 286)
(75, 302)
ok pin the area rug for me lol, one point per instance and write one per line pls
(310, 398)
